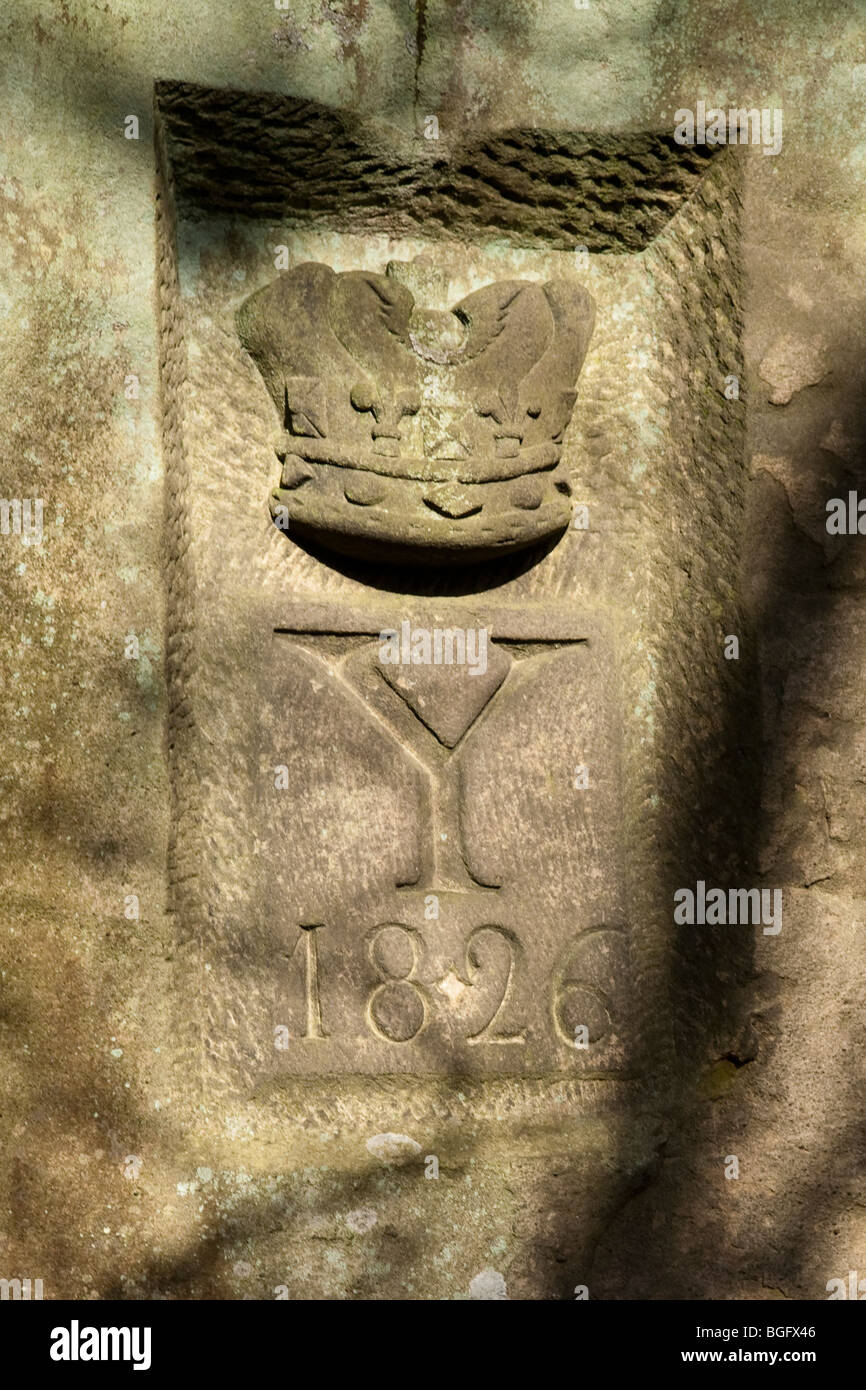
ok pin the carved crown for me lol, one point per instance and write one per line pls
(412, 433)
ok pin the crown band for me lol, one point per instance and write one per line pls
(539, 458)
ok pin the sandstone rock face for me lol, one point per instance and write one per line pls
(420, 618)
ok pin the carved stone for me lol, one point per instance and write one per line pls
(413, 865)
(296, 936)
(424, 896)
(413, 433)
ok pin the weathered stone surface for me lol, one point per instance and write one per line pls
(228, 149)
(792, 364)
(478, 815)
(155, 1143)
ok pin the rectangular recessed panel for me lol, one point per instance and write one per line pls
(385, 859)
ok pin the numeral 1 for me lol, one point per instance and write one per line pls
(311, 980)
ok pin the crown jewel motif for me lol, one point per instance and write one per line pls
(413, 434)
